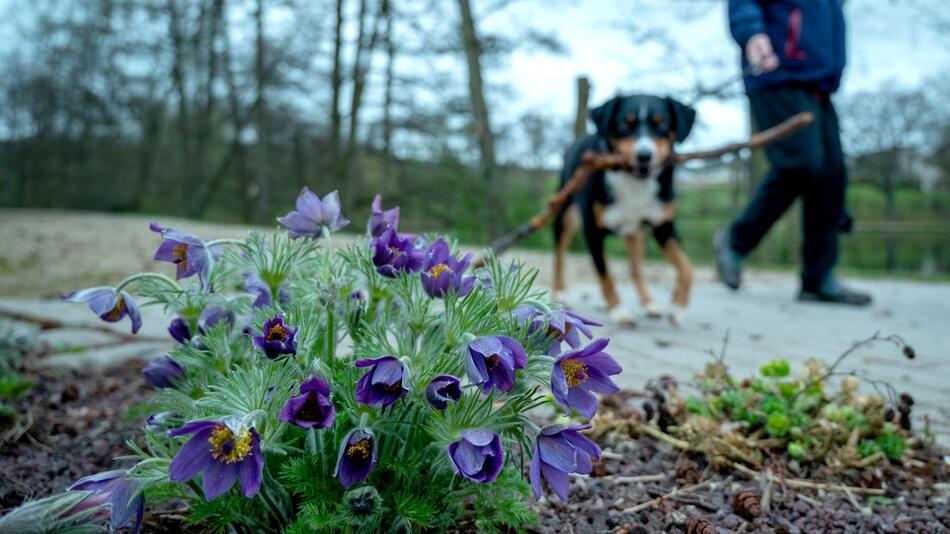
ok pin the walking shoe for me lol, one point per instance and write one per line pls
(728, 261)
(833, 292)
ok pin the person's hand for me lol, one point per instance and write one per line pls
(759, 53)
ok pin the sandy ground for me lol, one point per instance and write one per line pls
(46, 253)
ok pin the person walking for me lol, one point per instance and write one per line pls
(794, 51)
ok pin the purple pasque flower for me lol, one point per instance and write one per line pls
(394, 254)
(114, 490)
(580, 372)
(380, 221)
(162, 372)
(492, 361)
(212, 315)
(357, 457)
(559, 451)
(254, 285)
(313, 214)
(477, 455)
(179, 330)
(561, 325)
(186, 251)
(223, 452)
(156, 422)
(382, 384)
(276, 338)
(442, 389)
(442, 272)
(312, 408)
(111, 306)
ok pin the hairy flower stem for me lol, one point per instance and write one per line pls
(217, 242)
(141, 276)
(331, 337)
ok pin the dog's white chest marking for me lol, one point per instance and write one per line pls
(635, 202)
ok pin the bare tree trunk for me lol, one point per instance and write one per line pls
(580, 118)
(390, 74)
(336, 86)
(206, 188)
(494, 208)
(238, 150)
(260, 118)
(364, 49)
(178, 80)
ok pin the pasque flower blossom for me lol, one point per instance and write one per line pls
(561, 325)
(492, 362)
(477, 455)
(442, 272)
(442, 389)
(276, 338)
(382, 384)
(578, 373)
(312, 408)
(313, 215)
(212, 315)
(380, 220)
(114, 490)
(222, 452)
(111, 306)
(357, 457)
(179, 330)
(254, 285)
(393, 254)
(558, 451)
(186, 251)
(163, 371)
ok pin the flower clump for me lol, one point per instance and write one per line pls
(387, 382)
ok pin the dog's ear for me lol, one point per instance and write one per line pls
(683, 117)
(603, 114)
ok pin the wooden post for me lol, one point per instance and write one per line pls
(580, 120)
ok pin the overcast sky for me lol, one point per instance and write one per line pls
(888, 43)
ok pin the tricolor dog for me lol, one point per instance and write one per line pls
(642, 129)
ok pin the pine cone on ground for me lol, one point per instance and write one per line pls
(687, 470)
(700, 525)
(747, 504)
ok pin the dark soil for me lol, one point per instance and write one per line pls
(915, 499)
(81, 420)
(79, 424)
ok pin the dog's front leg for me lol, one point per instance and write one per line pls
(635, 251)
(684, 278)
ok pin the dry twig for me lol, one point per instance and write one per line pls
(808, 484)
(677, 491)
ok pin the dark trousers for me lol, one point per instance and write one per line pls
(808, 164)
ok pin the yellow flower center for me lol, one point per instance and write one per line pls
(393, 388)
(180, 252)
(227, 447)
(437, 270)
(575, 372)
(361, 450)
(555, 332)
(395, 255)
(277, 333)
(116, 313)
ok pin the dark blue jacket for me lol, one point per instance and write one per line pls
(807, 35)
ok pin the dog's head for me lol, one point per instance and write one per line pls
(643, 128)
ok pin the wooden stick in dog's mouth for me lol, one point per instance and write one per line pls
(592, 161)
